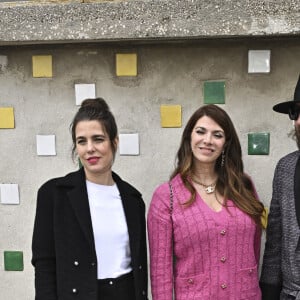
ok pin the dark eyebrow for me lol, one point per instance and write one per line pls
(215, 131)
(93, 136)
(80, 137)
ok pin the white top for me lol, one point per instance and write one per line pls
(110, 230)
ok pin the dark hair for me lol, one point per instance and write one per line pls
(98, 110)
(232, 183)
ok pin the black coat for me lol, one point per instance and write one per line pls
(63, 248)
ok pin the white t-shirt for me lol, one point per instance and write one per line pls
(110, 230)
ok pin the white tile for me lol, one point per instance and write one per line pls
(84, 91)
(9, 194)
(129, 144)
(45, 145)
(3, 63)
(259, 61)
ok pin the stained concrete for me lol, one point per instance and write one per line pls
(147, 20)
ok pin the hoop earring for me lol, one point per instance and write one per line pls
(223, 159)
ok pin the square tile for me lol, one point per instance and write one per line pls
(9, 193)
(3, 63)
(45, 145)
(258, 143)
(129, 144)
(170, 115)
(259, 61)
(13, 261)
(42, 66)
(7, 118)
(84, 91)
(214, 92)
(79, 164)
(126, 64)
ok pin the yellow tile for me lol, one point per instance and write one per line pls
(170, 115)
(7, 119)
(264, 218)
(42, 65)
(126, 64)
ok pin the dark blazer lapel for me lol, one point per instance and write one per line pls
(79, 202)
(131, 210)
(297, 190)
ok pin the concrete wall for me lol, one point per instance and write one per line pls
(180, 44)
(29, 22)
(167, 74)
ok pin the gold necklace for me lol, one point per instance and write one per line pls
(208, 188)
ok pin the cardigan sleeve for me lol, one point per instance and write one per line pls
(271, 278)
(160, 244)
(43, 248)
(258, 230)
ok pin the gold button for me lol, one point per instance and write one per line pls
(223, 259)
(223, 232)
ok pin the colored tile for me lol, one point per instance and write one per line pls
(42, 65)
(79, 164)
(84, 91)
(214, 92)
(45, 145)
(126, 64)
(264, 218)
(258, 143)
(170, 115)
(7, 119)
(9, 193)
(129, 144)
(13, 261)
(3, 63)
(259, 61)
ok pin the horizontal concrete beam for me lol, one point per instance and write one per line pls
(146, 20)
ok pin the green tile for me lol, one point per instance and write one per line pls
(13, 261)
(258, 143)
(214, 92)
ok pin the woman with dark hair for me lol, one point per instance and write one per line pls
(89, 239)
(204, 225)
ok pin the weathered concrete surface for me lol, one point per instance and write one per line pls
(147, 20)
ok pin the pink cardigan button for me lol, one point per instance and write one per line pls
(190, 280)
(223, 232)
(223, 286)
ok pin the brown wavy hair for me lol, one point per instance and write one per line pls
(232, 182)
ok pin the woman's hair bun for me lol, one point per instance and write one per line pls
(96, 103)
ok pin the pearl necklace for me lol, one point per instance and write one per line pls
(208, 188)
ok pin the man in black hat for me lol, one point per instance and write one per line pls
(280, 277)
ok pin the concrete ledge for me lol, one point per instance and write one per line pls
(147, 20)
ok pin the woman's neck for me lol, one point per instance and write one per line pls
(205, 174)
(103, 179)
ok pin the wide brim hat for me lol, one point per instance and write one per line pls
(284, 107)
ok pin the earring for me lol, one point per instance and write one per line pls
(223, 159)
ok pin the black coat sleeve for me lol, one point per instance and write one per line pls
(43, 246)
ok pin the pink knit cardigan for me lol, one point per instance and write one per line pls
(217, 253)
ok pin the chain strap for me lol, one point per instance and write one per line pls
(171, 199)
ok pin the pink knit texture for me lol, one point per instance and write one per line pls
(217, 253)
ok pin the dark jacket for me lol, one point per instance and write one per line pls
(63, 247)
(280, 276)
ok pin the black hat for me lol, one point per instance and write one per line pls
(284, 107)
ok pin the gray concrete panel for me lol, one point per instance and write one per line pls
(147, 20)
